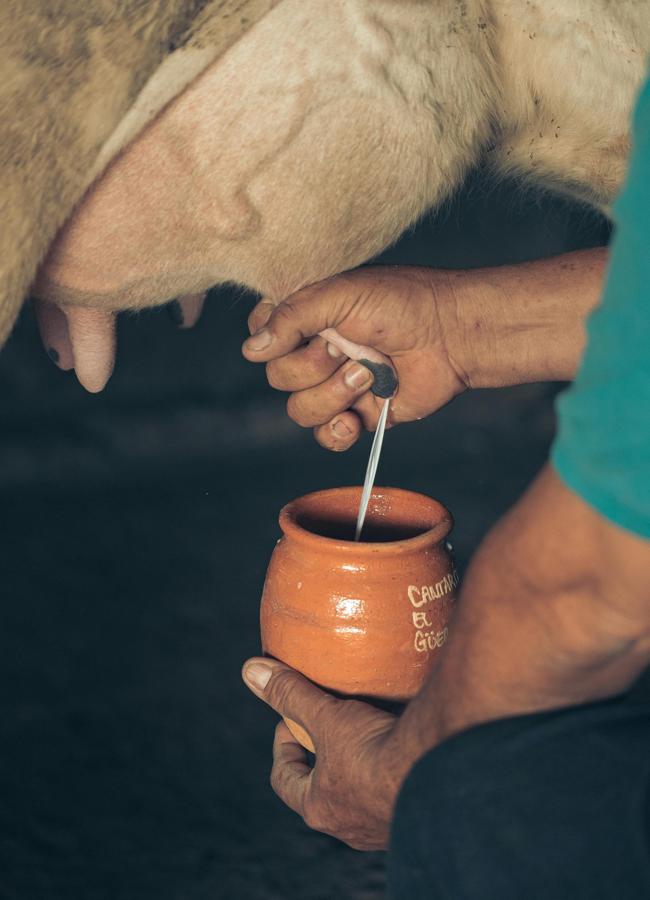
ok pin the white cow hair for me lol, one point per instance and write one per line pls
(78, 80)
(330, 127)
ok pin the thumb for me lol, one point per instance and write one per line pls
(295, 320)
(289, 693)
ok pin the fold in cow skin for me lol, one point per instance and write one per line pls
(78, 81)
(323, 132)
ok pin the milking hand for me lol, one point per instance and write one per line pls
(385, 386)
(385, 383)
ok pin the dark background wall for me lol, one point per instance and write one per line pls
(136, 527)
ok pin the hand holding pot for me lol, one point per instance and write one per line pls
(351, 791)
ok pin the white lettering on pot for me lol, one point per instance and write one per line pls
(420, 595)
(430, 640)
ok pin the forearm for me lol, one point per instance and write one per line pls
(554, 611)
(521, 323)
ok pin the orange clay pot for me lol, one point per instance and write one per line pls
(360, 619)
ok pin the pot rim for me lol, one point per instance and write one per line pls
(443, 523)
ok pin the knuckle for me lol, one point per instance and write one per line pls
(275, 780)
(260, 315)
(274, 375)
(281, 687)
(369, 417)
(328, 706)
(299, 415)
(313, 816)
(285, 312)
(287, 694)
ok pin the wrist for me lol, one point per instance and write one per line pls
(515, 324)
(484, 331)
(414, 734)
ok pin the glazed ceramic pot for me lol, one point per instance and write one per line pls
(362, 619)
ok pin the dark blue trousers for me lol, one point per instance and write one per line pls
(553, 806)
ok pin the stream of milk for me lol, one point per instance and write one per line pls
(371, 469)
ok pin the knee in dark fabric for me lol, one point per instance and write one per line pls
(547, 806)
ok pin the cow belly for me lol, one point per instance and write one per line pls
(307, 148)
(559, 60)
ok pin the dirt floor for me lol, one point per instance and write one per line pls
(136, 528)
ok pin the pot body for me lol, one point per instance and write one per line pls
(360, 619)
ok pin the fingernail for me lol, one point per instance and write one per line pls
(341, 429)
(260, 340)
(53, 354)
(334, 351)
(257, 675)
(358, 377)
(175, 313)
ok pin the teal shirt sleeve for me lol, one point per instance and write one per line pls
(602, 449)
